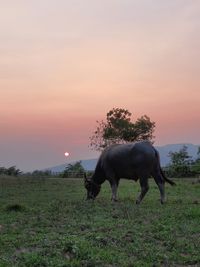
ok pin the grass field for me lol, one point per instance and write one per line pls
(47, 222)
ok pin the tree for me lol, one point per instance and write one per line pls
(196, 163)
(180, 157)
(73, 170)
(180, 163)
(3, 170)
(11, 171)
(118, 128)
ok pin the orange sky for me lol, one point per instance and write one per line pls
(65, 64)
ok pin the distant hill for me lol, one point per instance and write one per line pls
(90, 164)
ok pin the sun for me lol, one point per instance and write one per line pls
(66, 154)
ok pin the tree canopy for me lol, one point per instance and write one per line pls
(73, 170)
(180, 157)
(181, 163)
(119, 128)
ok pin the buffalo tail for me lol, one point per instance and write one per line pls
(162, 173)
(167, 179)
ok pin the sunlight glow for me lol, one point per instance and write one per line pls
(66, 154)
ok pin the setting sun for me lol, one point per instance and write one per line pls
(66, 154)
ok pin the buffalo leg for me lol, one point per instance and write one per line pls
(144, 189)
(114, 186)
(161, 186)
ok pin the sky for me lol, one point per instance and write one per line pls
(64, 64)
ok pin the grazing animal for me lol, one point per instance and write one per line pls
(135, 161)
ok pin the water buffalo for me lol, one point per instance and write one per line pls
(130, 161)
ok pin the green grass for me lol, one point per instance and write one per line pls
(47, 222)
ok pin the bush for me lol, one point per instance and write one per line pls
(179, 171)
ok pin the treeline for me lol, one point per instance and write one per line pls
(75, 170)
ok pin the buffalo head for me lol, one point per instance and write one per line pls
(92, 188)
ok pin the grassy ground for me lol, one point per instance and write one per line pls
(49, 223)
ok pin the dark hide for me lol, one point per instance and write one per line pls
(135, 161)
